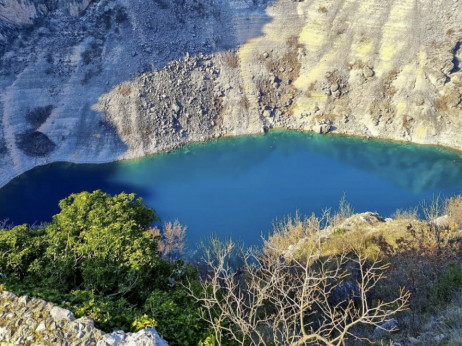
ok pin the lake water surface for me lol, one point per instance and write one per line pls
(239, 186)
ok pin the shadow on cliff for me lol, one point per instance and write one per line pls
(142, 38)
(75, 60)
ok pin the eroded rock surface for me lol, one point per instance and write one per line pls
(109, 80)
(32, 321)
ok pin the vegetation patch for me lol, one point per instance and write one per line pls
(38, 115)
(35, 143)
(333, 279)
(98, 258)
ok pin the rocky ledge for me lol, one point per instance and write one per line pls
(32, 321)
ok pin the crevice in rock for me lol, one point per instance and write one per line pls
(455, 59)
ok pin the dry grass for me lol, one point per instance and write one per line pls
(244, 103)
(407, 122)
(293, 42)
(323, 9)
(290, 231)
(268, 92)
(420, 254)
(407, 215)
(272, 65)
(454, 212)
(340, 31)
(342, 230)
(231, 59)
(441, 103)
(310, 89)
(124, 89)
(290, 60)
(388, 89)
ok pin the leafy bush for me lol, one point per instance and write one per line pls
(99, 242)
(448, 282)
(97, 258)
(179, 315)
(20, 247)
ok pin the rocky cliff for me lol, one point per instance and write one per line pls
(32, 321)
(107, 80)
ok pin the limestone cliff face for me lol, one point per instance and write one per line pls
(25, 12)
(122, 79)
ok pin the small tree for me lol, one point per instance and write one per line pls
(100, 242)
(171, 240)
(272, 300)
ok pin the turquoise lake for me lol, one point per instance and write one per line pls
(239, 186)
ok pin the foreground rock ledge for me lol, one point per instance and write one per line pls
(32, 321)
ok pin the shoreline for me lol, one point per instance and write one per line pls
(8, 180)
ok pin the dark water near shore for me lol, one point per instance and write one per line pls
(238, 186)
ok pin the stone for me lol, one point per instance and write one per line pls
(441, 222)
(29, 329)
(59, 314)
(440, 337)
(41, 327)
(8, 295)
(368, 72)
(334, 87)
(324, 128)
(23, 300)
(386, 327)
(175, 107)
(148, 337)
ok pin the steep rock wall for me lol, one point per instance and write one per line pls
(24, 12)
(124, 79)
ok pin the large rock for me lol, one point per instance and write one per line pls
(59, 314)
(386, 327)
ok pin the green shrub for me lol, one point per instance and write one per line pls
(97, 258)
(177, 315)
(20, 247)
(448, 282)
(100, 243)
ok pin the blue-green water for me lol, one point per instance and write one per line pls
(238, 186)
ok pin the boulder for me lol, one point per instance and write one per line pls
(324, 128)
(386, 327)
(59, 314)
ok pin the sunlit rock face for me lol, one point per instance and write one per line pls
(106, 80)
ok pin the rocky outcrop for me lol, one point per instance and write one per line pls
(123, 79)
(32, 321)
